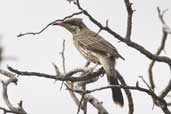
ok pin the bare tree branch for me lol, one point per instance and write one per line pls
(129, 18)
(68, 84)
(74, 97)
(153, 62)
(96, 103)
(166, 28)
(92, 100)
(87, 76)
(6, 73)
(12, 79)
(63, 60)
(160, 102)
(79, 106)
(166, 90)
(128, 94)
(82, 86)
(165, 34)
(51, 23)
(63, 56)
(5, 111)
(62, 77)
(132, 44)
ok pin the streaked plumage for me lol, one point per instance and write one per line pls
(95, 49)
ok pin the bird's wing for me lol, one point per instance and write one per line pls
(96, 43)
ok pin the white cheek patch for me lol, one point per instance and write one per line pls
(72, 27)
(75, 28)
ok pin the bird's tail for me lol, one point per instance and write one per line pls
(116, 92)
(109, 67)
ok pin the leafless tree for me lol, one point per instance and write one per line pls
(87, 74)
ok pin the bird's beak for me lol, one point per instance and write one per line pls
(60, 23)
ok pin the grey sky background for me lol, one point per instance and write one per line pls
(36, 53)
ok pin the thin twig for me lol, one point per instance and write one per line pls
(161, 14)
(63, 60)
(98, 32)
(6, 73)
(62, 77)
(84, 101)
(92, 100)
(63, 56)
(81, 100)
(19, 109)
(166, 90)
(132, 44)
(5, 111)
(129, 18)
(137, 88)
(73, 95)
(82, 85)
(68, 84)
(107, 24)
(160, 49)
(58, 73)
(51, 23)
(160, 102)
(11, 79)
(166, 28)
(56, 69)
(153, 62)
(146, 83)
(128, 94)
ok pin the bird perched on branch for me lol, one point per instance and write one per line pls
(95, 49)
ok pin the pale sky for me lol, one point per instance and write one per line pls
(36, 53)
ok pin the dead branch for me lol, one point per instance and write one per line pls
(167, 89)
(129, 18)
(160, 49)
(63, 60)
(91, 99)
(80, 103)
(132, 44)
(62, 77)
(166, 28)
(153, 62)
(160, 102)
(72, 94)
(63, 56)
(6, 73)
(128, 94)
(5, 111)
(51, 23)
(82, 86)
(12, 79)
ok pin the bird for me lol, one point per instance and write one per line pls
(95, 49)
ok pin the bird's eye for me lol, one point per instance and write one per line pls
(70, 23)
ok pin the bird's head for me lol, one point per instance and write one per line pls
(74, 25)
